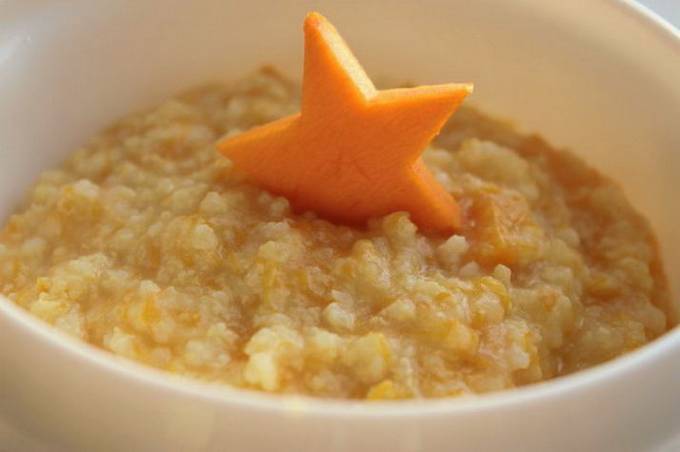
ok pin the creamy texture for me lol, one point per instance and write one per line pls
(148, 244)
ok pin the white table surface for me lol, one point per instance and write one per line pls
(13, 441)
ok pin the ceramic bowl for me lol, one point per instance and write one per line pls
(600, 77)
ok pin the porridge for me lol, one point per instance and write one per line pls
(147, 243)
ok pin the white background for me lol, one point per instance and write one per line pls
(11, 441)
(668, 9)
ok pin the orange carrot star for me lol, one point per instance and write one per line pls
(353, 152)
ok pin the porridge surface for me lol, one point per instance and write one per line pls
(147, 244)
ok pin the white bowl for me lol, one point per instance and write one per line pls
(601, 77)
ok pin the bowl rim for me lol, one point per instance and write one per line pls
(225, 395)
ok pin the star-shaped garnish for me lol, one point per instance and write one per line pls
(353, 152)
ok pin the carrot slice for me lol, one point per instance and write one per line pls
(353, 152)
